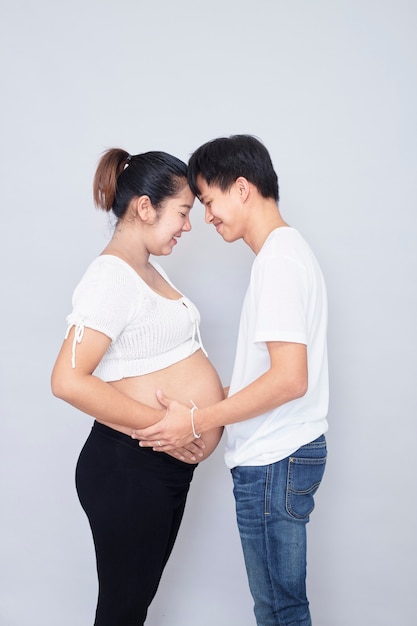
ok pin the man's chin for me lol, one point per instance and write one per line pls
(228, 237)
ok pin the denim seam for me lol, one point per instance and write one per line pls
(314, 444)
(268, 487)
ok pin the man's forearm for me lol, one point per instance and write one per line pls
(264, 394)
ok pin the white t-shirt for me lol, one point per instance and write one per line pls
(286, 301)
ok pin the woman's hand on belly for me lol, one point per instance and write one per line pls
(193, 452)
(198, 450)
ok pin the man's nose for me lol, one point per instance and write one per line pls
(208, 216)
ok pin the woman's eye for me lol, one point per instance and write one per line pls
(183, 215)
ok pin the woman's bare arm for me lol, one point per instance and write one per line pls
(80, 388)
(89, 394)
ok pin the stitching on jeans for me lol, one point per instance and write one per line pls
(268, 483)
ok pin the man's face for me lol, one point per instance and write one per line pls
(223, 209)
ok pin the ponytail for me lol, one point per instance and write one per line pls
(110, 166)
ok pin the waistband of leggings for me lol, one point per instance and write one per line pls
(116, 435)
(102, 429)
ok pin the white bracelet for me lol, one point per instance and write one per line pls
(194, 408)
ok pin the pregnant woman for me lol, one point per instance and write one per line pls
(130, 333)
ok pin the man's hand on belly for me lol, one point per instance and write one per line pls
(172, 432)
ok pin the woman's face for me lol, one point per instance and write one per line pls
(173, 218)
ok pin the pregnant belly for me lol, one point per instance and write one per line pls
(191, 380)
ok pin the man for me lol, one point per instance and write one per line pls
(275, 412)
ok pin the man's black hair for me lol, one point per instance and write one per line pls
(221, 161)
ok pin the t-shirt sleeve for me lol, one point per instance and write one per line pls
(104, 300)
(281, 290)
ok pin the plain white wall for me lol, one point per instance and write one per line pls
(330, 87)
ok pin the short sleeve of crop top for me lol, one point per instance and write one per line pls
(106, 297)
(104, 300)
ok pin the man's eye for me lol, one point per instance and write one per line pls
(183, 214)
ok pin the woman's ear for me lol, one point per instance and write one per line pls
(142, 207)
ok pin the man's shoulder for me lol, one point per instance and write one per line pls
(284, 242)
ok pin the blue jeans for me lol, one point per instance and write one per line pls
(273, 506)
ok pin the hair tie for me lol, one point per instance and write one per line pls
(127, 161)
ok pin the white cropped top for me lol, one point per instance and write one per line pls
(148, 331)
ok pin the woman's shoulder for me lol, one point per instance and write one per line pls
(108, 277)
(107, 268)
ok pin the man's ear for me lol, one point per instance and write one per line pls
(142, 207)
(242, 187)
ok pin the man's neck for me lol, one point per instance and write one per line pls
(266, 218)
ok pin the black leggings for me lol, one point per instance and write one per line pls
(134, 499)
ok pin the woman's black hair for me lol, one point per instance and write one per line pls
(221, 161)
(121, 177)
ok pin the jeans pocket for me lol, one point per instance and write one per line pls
(304, 477)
